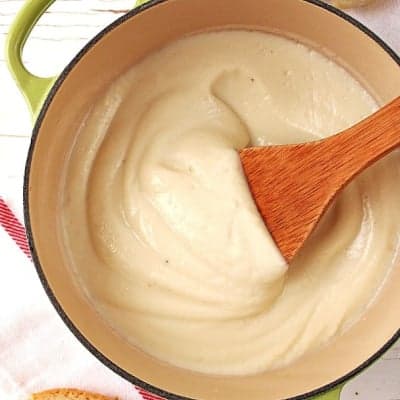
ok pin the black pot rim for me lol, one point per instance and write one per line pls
(75, 331)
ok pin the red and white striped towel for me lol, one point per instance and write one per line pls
(37, 351)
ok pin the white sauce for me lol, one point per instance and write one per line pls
(162, 230)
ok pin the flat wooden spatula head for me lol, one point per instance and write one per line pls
(290, 209)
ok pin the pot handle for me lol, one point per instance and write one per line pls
(333, 394)
(33, 88)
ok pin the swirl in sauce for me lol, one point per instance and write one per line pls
(162, 230)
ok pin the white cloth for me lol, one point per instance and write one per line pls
(37, 351)
(382, 17)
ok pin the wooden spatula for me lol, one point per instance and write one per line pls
(293, 185)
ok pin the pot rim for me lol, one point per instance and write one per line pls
(51, 295)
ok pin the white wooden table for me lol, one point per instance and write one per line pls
(59, 35)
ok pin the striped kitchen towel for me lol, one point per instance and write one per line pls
(37, 351)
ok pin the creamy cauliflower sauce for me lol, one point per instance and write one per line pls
(162, 229)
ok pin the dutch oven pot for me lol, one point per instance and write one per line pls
(59, 113)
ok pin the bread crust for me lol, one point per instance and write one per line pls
(69, 394)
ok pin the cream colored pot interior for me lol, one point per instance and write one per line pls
(111, 56)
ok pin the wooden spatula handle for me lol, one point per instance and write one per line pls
(364, 143)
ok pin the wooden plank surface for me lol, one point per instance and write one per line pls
(67, 26)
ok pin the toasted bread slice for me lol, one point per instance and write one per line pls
(69, 394)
